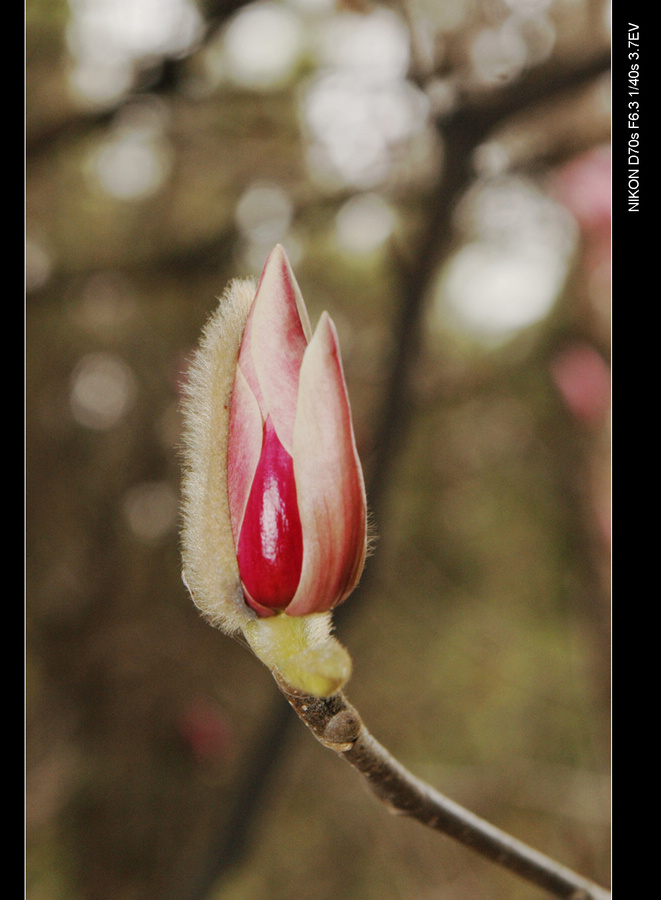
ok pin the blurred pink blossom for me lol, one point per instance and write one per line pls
(205, 731)
(583, 378)
(584, 186)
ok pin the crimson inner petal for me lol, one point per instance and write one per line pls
(270, 552)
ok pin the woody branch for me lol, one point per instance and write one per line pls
(337, 725)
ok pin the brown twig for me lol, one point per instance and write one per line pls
(337, 725)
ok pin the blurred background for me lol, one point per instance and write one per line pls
(439, 173)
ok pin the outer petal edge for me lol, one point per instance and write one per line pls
(329, 480)
(279, 329)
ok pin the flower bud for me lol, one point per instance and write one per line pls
(295, 484)
(274, 521)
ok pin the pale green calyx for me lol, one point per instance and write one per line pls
(301, 651)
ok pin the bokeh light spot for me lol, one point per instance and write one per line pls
(498, 54)
(364, 223)
(374, 45)
(512, 268)
(151, 510)
(264, 213)
(132, 165)
(102, 390)
(497, 292)
(109, 39)
(263, 43)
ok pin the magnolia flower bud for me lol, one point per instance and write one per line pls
(296, 492)
(273, 499)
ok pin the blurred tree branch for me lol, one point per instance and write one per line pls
(463, 131)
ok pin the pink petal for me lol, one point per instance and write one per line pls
(329, 480)
(247, 367)
(246, 433)
(277, 340)
(270, 548)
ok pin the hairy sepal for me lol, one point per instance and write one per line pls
(210, 569)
